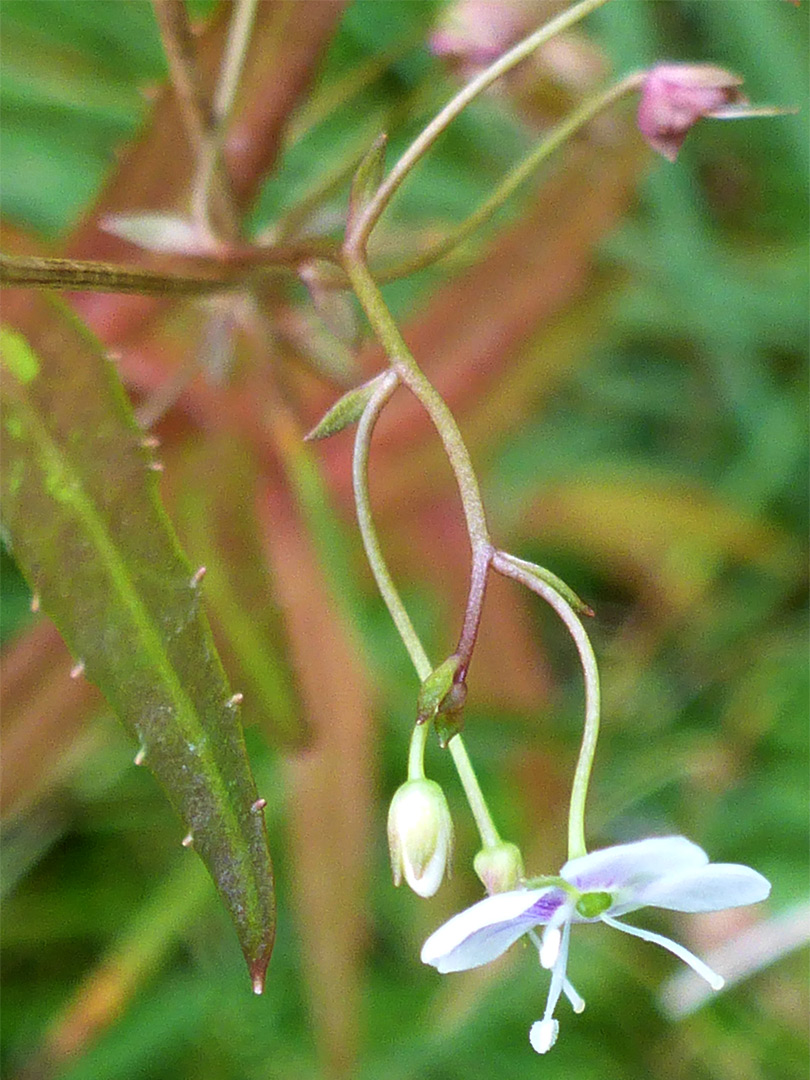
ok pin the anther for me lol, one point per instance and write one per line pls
(198, 576)
(235, 699)
(150, 442)
(156, 466)
(77, 670)
(187, 840)
(35, 603)
(258, 806)
(140, 757)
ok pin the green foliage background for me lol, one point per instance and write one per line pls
(686, 401)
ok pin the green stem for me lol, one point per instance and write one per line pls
(376, 559)
(388, 590)
(409, 372)
(504, 564)
(416, 752)
(472, 789)
(233, 59)
(368, 219)
(513, 180)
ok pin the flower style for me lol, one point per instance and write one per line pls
(668, 872)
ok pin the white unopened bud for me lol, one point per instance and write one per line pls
(420, 835)
(500, 867)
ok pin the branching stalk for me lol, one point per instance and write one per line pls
(388, 590)
(368, 219)
(517, 176)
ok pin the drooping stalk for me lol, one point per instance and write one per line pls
(505, 565)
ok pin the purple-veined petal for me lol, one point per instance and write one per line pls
(625, 867)
(710, 888)
(715, 981)
(487, 929)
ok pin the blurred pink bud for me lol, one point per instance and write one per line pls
(675, 96)
(478, 31)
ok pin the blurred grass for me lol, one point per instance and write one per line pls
(689, 391)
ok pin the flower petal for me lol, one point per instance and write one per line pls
(487, 929)
(632, 865)
(710, 888)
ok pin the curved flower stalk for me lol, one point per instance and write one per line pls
(668, 872)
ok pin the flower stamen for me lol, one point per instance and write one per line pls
(715, 981)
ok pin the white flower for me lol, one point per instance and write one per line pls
(420, 835)
(668, 872)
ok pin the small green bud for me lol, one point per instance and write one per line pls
(435, 688)
(420, 835)
(500, 868)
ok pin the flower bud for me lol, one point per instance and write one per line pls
(500, 868)
(420, 835)
(675, 96)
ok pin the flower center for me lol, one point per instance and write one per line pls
(591, 904)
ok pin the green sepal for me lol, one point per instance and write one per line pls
(346, 410)
(450, 714)
(556, 583)
(366, 180)
(435, 689)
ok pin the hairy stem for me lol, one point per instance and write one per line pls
(579, 789)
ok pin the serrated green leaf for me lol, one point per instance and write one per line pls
(216, 520)
(82, 513)
(435, 689)
(346, 410)
(367, 179)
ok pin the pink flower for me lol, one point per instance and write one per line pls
(675, 96)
